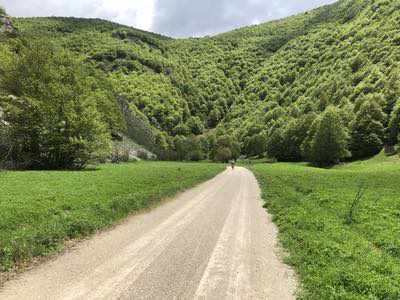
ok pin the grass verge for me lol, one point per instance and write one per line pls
(41, 210)
(341, 226)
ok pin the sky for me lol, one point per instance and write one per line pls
(177, 18)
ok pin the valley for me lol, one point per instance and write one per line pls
(115, 144)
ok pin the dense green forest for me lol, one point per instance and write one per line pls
(322, 86)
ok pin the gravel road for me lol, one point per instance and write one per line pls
(212, 242)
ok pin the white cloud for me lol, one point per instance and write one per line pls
(198, 17)
(137, 13)
(171, 17)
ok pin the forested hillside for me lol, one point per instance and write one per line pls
(350, 63)
(322, 86)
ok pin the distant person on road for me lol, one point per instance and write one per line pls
(232, 164)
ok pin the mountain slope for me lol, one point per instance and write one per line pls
(255, 83)
(338, 61)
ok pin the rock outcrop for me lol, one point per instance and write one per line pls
(6, 25)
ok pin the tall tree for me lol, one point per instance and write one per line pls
(256, 145)
(367, 129)
(393, 133)
(53, 122)
(327, 142)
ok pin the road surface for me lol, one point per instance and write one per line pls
(212, 242)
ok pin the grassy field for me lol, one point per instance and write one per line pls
(40, 210)
(343, 246)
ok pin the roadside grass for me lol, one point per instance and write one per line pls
(39, 211)
(338, 257)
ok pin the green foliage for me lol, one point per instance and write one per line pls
(40, 210)
(275, 146)
(394, 126)
(274, 75)
(152, 95)
(196, 151)
(54, 116)
(256, 145)
(367, 130)
(223, 154)
(225, 149)
(327, 141)
(286, 138)
(343, 59)
(195, 125)
(334, 258)
(189, 148)
(180, 147)
(181, 129)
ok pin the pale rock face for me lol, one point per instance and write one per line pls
(6, 24)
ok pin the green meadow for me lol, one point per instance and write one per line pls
(340, 226)
(41, 210)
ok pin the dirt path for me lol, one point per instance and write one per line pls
(213, 242)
